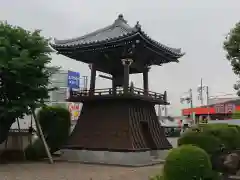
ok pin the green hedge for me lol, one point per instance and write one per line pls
(236, 115)
(237, 136)
(187, 163)
(55, 122)
(209, 136)
(228, 134)
(209, 143)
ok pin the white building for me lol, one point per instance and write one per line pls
(219, 100)
(60, 80)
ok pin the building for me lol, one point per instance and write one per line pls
(62, 80)
(218, 108)
(119, 122)
(19, 137)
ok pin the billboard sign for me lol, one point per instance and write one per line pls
(75, 110)
(73, 80)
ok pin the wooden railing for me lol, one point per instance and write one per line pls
(118, 92)
(140, 91)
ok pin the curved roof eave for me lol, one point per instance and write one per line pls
(172, 51)
(119, 31)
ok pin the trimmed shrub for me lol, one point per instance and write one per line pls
(237, 137)
(209, 143)
(55, 122)
(214, 175)
(157, 177)
(228, 134)
(187, 163)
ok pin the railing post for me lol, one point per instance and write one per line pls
(131, 88)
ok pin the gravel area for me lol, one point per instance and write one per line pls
(74, 171)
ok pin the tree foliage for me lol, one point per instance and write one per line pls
(24, 73)
(232, 47)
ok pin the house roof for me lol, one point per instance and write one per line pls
(117, 31)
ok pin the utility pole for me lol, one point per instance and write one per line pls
(201, 92)
(189, 100)
(207, 93)
(191, 103)
(85, 82)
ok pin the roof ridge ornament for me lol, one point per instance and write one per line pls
(120, 19)
(138, 26)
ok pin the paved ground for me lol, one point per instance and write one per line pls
(74, 171)
(173, 141)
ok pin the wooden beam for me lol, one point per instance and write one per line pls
(105, 77)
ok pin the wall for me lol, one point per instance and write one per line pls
(17, 142)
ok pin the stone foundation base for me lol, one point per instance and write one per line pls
(115, 158)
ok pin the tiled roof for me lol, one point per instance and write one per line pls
(117, 31)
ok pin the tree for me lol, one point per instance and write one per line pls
(232, 47)
(24, 74)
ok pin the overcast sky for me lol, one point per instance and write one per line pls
(196, 26)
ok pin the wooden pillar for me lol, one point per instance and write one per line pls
(126, 64)
(145, 80)
(93, 79)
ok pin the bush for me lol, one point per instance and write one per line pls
(209, 143)
(55, 122)
(228, 134)
(157, 177)
(187, 163)
(237, 137)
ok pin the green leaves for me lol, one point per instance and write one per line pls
(24, 74)
(232, 46)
